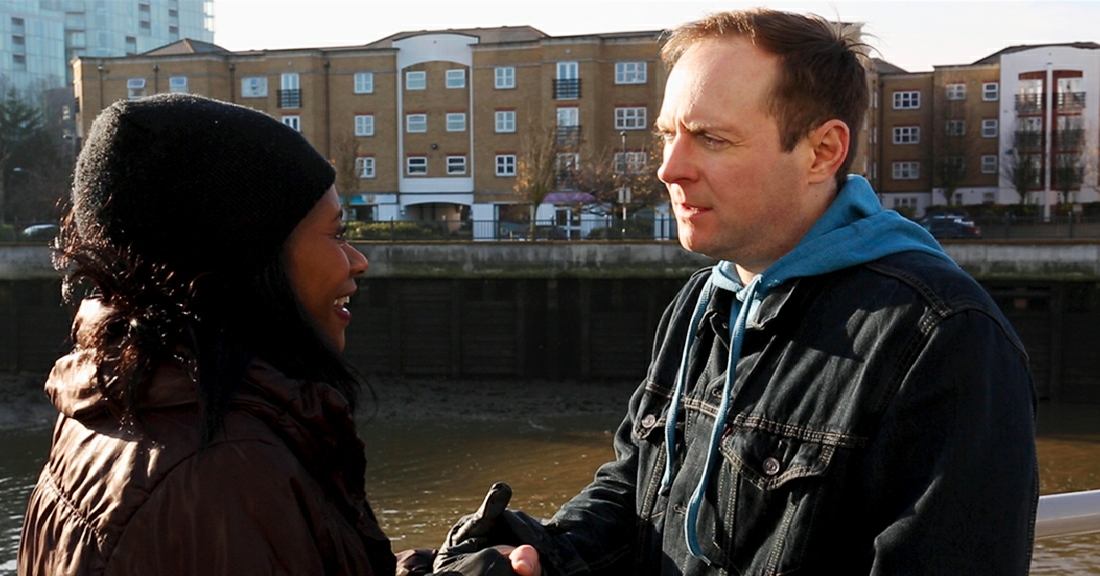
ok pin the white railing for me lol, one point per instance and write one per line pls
(1068, 514)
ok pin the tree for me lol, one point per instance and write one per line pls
(953, 146)
(30, 159)
(537, 167)
(345, 156)
(1019, 166)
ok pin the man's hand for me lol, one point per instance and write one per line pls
(524, 558)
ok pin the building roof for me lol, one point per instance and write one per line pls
(996, 56)
(186, 46)
(884, 67)
(486, 35)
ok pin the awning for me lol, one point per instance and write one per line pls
(568, 197)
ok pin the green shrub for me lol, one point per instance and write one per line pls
(390, 230)
(7, 233)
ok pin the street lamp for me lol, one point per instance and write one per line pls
(624, 191)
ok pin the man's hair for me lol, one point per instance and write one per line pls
(822, 72)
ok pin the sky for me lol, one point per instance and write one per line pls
(913, 35)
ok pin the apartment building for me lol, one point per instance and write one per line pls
(38, 38)
(1019, 126)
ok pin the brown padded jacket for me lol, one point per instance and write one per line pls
(279, 491)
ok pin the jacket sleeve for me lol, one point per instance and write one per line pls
(243, 507)
(952, 469)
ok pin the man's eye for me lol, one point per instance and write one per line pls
(342, 232)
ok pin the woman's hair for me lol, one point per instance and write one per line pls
(180, 212)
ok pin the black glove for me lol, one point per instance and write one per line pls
(468, 547)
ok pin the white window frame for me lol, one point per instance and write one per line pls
(906, 170)
(365, 167)
(991, 91)
(364, 82)
(907, 100)
(456, 121)
(416, 123)
(506, 165)
(456, 165)
(631, 118)
(505, 121)
(364, 124)
(177, 84)
(416, 80)
(135, 88)
(956, 128)
(254, 87)
(630, 72)
(629, 162)
(904, 135)
(294, 121)
(989, 163)
(956, 91)
(990, 127)
(504, 77)
(416, 166)
(456, 78)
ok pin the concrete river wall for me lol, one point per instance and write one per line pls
(584, 311)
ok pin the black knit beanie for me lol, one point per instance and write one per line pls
(195, 184)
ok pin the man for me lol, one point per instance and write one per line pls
(835, 396)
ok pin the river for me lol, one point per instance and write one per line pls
(426, 472)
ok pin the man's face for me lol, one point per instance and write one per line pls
(735, 194)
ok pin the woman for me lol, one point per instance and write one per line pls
(206, 417)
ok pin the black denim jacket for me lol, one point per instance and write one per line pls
(882, 422)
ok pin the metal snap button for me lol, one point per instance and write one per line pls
(649, 420)
(771, 466)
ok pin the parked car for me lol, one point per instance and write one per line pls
(43, 232)
(951, 228)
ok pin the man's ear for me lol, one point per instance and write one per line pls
(830, 148)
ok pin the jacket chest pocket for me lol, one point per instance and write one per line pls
(761, 507)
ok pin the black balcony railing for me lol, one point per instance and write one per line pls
(1071, 100)
(1029, 140)
(1029, 103)
(290, 98)
(567, 89)
(1071, 139)
(569, 136)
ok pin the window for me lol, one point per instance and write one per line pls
(909, 100)
(19, 62)
(416, 123)
(456, 165)
(135, 87)
(364, 82)
(364, 166)
(907, 135)
(505, 77)
(456, 78)
(629, 162)
(290, 93)
(630, 72)
(506, 121)
(989, 164)
(989, 128)
(131, 45)
(633, 118)
(956, 127)
(177, 84)
(906, 170)
(416, 165)
(955, 165)
(364, 125)
(294, 122)
(416, 80)
(506, 164)
(456, 121)
(991, 91)
(254, 87)
(956, 91)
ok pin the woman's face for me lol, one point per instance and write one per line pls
(322, 267)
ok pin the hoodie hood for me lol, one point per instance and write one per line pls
(854, 230)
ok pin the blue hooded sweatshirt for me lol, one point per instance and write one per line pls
(853, 231)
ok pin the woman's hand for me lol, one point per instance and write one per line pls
(525, 559)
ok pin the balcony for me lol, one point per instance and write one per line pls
(290, 98)
(1071, 100)
(567, 89)
(569, 136)
(1029, 141)
(1070, 139)
(1029, 103)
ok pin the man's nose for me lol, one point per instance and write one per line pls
(676, 165)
